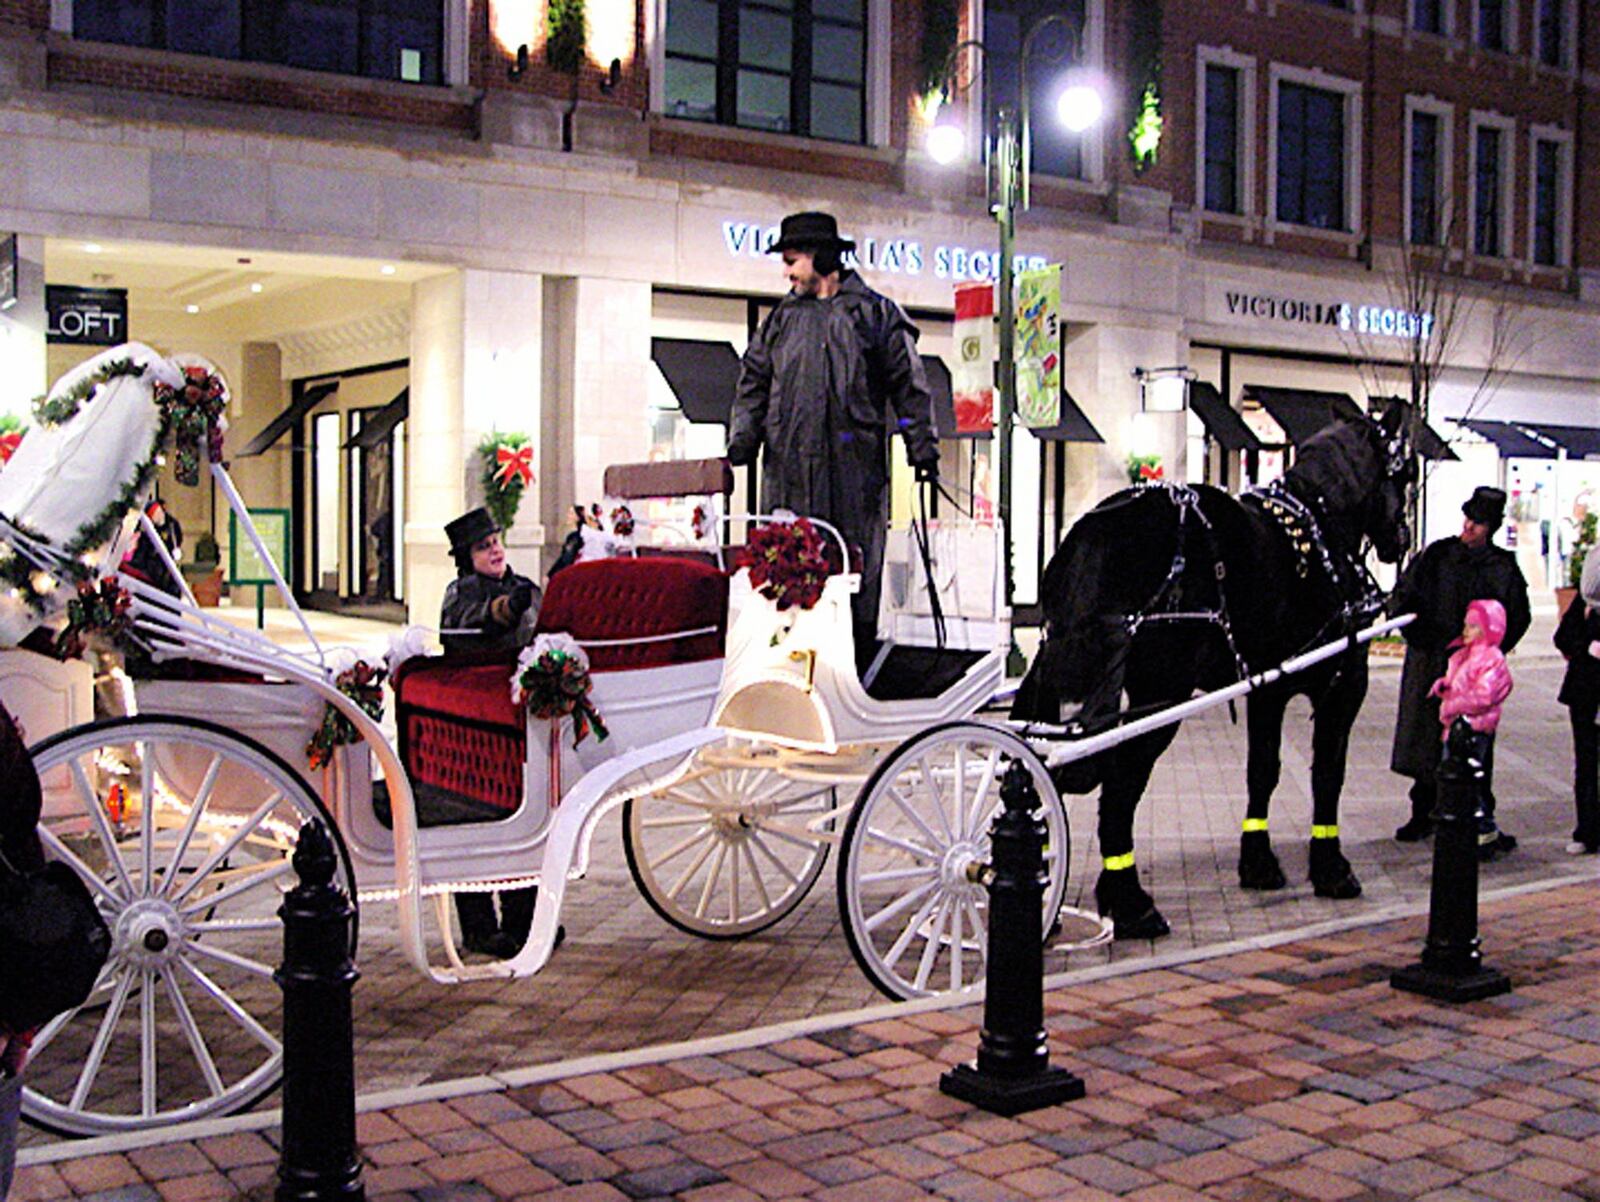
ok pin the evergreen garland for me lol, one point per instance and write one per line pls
(505, 471)
(940, 27)
(564, 35)
(1144, 84)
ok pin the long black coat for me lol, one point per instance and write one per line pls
(816, 389)
(468, 605)
(1579, 626)
(1437, 587)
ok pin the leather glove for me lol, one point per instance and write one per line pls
(521, 598)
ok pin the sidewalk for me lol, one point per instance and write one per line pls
(1285, 1067)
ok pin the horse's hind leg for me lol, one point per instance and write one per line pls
(1118, 893)
(1331, 874)
(1258, 863)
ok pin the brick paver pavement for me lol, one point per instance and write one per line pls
(1277, 1072)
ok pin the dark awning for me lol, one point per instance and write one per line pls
(1513, 441)
(1073, 426)
(280, 425)
(380, 425)
(1221, 420)
(1580, 442)
(702, 375)
(1302, 412)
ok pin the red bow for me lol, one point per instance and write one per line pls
(8, 445)
(1148, 472)
(515, 463)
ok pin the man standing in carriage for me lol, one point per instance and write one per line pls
(1438, 586)
(816, 389)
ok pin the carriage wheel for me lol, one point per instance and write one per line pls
(731, 846)
(182, 830)
(915, 920)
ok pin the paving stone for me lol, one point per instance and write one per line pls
(667, 1180)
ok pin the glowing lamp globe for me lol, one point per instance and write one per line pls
(1079, 107)
(946, 142)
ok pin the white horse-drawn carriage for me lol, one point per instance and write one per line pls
(743, 745)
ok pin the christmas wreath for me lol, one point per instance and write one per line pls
(195, 411)
(787, 563)
(1143, 469)
(552, 680)
(506, 471)
(362, 683)
(95, 610)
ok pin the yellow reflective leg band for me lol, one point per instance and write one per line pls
(1117, 863)
(1251, 825)
(1325, 832)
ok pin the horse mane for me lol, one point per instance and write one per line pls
(1335, 472)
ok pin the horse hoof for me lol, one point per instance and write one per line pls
(1149, 925)
(1259, 867)
(1339, 888)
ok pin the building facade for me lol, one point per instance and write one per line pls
(477, 217)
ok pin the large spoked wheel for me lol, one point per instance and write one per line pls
(914, 917)
(182, 831)
(733, 845)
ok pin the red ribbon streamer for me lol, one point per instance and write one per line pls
(515, 463)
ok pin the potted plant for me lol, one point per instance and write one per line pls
(1575, 558)
(203, 571)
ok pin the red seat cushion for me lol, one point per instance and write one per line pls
(476, 692)
(625, 598)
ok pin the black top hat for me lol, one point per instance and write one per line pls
(809, 231)
(469, 528)
(1486, 506)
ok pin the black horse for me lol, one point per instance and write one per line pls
(1162, 590)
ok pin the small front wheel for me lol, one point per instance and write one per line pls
(915, 918)
(732, 845)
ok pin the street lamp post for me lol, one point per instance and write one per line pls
(1008, 185)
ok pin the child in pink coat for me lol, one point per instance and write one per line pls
(1474, 685)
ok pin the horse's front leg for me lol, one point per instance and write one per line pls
(1258, 863)
(1118, 893)
(1331, 874)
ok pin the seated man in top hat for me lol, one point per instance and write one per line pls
(488, 607)
(1437, 586)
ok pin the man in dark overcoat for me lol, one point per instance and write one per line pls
(1437, 586)
(819, 382)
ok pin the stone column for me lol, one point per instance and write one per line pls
(22, 330)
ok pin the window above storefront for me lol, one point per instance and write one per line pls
(781, 66)
(378, 39)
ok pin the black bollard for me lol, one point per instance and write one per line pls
(320, 1159)
(1013, 1072)
(1451, 968)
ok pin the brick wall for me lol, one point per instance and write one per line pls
(25, 14)
(1389, 67)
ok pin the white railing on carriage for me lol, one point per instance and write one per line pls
(669, 636)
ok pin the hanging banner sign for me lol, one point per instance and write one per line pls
(972, 374)
(86, 316)
(1038, 347)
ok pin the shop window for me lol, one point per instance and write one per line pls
(1056, 150)
(1490, 174)
(785, 66)
(1553, 33)
(1311, 157)
(382, 39)
(1492, 25)
(1428, 161)
(1428, 16)
(1222, 139)
(1550, 208)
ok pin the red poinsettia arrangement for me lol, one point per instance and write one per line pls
(363, 684)
(787, 562)
(96, 610)
(11, 432)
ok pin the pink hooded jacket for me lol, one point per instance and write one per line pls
(1477, 679)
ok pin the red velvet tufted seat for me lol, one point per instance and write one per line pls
(459, 731)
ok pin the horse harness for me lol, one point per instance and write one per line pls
(1360, 596)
